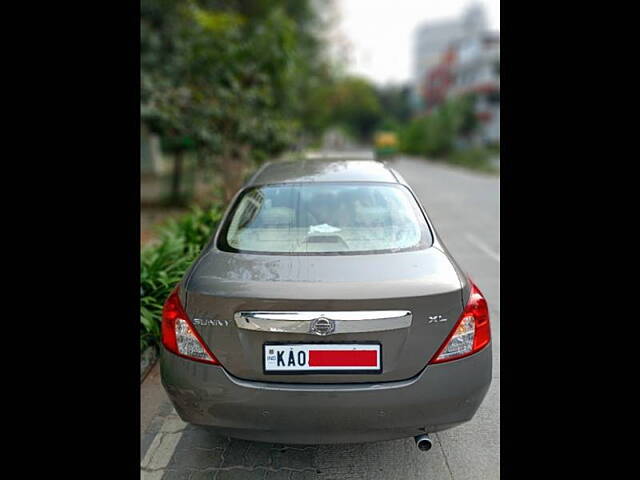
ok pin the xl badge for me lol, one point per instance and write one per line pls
(436, 319)
(322, 326)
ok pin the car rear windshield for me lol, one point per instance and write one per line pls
(325, 218)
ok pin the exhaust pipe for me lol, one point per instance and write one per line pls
(423, 442)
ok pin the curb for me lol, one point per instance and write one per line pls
(147, 361)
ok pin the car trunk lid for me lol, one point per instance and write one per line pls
(356, 292)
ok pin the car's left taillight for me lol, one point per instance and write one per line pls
(471, 332)
(179, 335)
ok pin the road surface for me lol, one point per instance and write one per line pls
(465, 208)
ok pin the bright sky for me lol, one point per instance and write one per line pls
(380, 32)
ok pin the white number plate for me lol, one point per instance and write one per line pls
(305, 358)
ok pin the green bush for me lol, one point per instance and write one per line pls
(434, 135)
(163, 264)
(412, 137)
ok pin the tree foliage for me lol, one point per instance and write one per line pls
(394, 101)
(227, 78)
(435, 134)
(349, 102)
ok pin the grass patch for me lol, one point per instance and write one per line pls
(474, 158)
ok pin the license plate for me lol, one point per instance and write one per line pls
(310, 358)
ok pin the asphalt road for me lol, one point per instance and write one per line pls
(465, 208)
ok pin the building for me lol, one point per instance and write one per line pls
(476, 70)
(433, 39)
(459, 57)
(439, 81)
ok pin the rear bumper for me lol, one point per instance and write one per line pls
(440, 397)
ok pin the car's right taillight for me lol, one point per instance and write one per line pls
(179, 336)
(471, 332)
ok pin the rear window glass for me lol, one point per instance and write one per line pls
(325, 218)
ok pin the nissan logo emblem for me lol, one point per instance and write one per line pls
(322, 326)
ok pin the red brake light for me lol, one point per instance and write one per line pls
(471, 333)
(179, 335)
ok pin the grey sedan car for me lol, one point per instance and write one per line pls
(325, 309)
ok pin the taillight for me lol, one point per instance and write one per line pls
(471, 332)
(178, 334)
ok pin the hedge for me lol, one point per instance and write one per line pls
(163, 264)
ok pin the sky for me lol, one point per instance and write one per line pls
(379, 33)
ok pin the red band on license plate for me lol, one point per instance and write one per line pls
(343, 358)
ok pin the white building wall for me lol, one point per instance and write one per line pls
(491, 129)
(151, 157)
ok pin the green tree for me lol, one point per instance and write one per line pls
(348, 102)
(227, 79)
(394, 101)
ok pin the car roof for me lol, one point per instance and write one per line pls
(324, 170)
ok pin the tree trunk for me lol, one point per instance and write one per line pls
(233, 169)
(176, 180)
(198, 178)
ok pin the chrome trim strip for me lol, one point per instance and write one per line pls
(345, 322)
